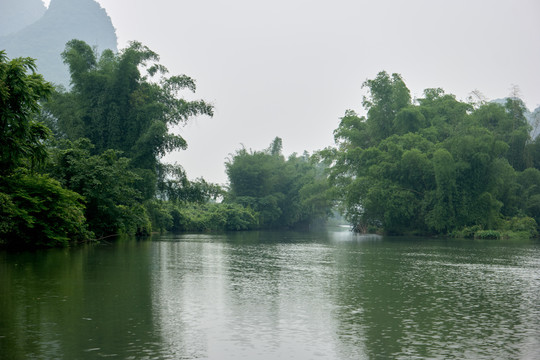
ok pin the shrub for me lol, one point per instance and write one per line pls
(212, 217)
(488, 234)
(40, 213)
(523, 225)
(467, 232)
(160, 214)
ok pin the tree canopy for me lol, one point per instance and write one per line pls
(21, 90)
(102, 170)
(435, 166)
(113, 126)
(124, 102)
(34, 209)
(284, 192)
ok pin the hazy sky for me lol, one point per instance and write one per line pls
(290, 68)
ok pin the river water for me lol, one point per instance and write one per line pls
(273, 295)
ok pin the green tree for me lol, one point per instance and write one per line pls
(387, 96)
(108, 185)
(174, 186)
(508, 123)
(124, 102)
(34, 209)
(284, 192)
(119, 115)
(443, 112)
(529, 181)
(436, 166)
(22, 137)
(442, 216)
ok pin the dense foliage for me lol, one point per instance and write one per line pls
(284, 192)
(437, 165)
(34, 209)
(88, 163)
(101, 170)
(108, 184)
(115, 106)
(112, 127)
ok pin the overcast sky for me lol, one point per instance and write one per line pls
(290, 68)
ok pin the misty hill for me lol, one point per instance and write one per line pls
(533, 117)
(45, 39)
(17, 14)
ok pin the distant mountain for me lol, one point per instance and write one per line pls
(64, 20)
(17, 14)
(533, 117)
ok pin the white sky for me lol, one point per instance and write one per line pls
(291, 68)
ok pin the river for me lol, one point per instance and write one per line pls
(273, 295)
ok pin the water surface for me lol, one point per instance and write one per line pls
(273, 295)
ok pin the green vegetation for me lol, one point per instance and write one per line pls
(435, 166)
(284, 193)
(86, 163)
(108, 184)
(116, 107)
(111, 130)
(34, 209)
(100, 173)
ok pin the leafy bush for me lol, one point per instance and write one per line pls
(212, 217)
(488, 234)
(523, 224)
(35, 211)
(160, 214)
(108, 185)
(134, 219)
(467, 232)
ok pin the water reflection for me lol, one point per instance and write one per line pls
(432, 301)
(273, 295)
(246, 299)
(88, 302)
